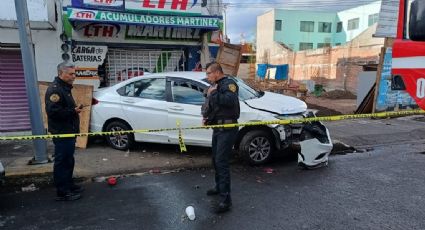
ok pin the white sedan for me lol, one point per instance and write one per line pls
(158, 101)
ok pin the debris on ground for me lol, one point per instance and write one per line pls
(29, 188)
(112, 181)
(268, 170)
(155, 171)
(259, 180)
(190, 212)
(339, 94)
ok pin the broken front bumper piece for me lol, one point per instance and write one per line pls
(316, 145)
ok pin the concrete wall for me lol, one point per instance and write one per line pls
(264, 37)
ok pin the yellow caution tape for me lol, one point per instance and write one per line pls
(181, 141)
(179, 129)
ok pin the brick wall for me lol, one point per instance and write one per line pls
(335, 68)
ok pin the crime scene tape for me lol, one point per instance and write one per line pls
(256, 123)
(181, 142)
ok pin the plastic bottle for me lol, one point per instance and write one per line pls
(190, 212)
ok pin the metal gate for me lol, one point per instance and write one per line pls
(14, 109)
(123, 64)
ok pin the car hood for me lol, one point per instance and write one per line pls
(277, 103)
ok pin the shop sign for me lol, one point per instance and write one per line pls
(87, 58)
(104, 3)
(86, 72)
(104, 30)
(162, 33)
(166, 6)
(129, 18)
(84, 55)
(99, 4)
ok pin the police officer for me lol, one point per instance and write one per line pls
(62, 113)
(221, 107)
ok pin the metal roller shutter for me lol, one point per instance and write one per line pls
(123, 64)
(14, 109)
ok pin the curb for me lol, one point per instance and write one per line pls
(42, 178)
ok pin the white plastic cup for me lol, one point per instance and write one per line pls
(190, 212)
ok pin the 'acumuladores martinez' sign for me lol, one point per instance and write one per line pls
(75, 14)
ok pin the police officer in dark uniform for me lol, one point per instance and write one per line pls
(221, 107)
(63, 118)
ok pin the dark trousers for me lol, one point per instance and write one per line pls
(222, 143)
(63, 167)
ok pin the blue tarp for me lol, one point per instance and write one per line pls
(261, 70)
(281, 71)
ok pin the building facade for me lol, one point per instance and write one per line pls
(14, 108)
(108, 40)
(303, 30)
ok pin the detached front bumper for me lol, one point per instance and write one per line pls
(315, 146)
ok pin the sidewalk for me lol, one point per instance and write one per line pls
(100, 160)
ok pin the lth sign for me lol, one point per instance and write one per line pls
(166, 6)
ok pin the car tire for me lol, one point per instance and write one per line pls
(120, 142)
(257, 147)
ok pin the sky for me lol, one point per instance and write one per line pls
(242, 14)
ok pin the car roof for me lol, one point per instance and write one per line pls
(186, 74)
(197, 76)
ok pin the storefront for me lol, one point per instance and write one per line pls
(116, 40)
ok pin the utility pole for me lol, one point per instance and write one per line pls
(224, 23)
(31, 82)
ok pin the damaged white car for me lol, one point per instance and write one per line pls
(157, 101)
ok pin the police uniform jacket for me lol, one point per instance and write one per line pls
(60, 108)
(224, 102)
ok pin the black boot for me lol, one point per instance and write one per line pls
(212, 192)
(67, 196)
(224, 205)
(76, 189)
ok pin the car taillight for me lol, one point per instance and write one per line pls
(94, 101)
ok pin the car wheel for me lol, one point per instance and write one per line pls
(119, 141)
(257, 147)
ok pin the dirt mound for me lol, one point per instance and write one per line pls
(338, 94)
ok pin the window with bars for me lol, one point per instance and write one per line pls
(353, 24)
(123, 64)
(306, 46)
(323, 45)
(306, 26)
(373, 18)
(325, 27)
(339, 27)
(278, 25)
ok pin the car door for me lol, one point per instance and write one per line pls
(185, 100)
(144, 104)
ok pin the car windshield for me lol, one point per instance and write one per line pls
(245, 91)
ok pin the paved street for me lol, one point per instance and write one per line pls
(380, 189)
